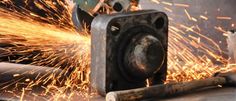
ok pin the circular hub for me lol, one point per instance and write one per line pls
(144, 56)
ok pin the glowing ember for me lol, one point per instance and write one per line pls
(181, 5)
(203, 17)
(223, 18)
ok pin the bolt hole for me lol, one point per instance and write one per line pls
(113, 85)
(233, 31)
(115, 28)
(159, 23)
(118, 7)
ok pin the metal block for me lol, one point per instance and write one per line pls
(129, 49)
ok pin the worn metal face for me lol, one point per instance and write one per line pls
(128, 49)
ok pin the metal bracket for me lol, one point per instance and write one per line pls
(128, 49)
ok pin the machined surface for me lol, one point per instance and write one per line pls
(165, 90)
(142, 56)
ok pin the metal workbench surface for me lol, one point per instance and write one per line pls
(205, 94)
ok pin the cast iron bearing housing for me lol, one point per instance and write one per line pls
(129, 49)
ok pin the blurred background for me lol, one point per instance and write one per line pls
(208, 15)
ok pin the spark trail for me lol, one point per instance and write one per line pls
(28, 38)
(192, 54)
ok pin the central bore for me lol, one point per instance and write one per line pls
(144, 56)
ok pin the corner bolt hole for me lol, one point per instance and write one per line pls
(159, 23)
(115, 28)
(118, 7)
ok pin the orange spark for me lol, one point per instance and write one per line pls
(168, 9)
(181, 5)
(156, 1)
(220, 29)
(203, 17)
(188, 15)
(167, 3)
(22, 95)
(223, 18)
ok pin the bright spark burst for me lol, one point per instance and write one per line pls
(46, 45)
(49, 40)
(26, 37)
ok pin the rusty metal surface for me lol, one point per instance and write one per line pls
(171, 89)
(204, 94)
(111, 37)
(143, 55)
(210, 94)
